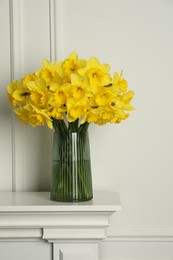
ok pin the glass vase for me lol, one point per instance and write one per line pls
(71, 167)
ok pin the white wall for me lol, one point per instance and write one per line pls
(133, 158)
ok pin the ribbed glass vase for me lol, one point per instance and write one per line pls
(71, 169)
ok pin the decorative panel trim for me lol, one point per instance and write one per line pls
(75, 233)
(15, 67)
(15, 38)
(75, 251)
(139, 235)
(52, 30)
(35, 234)
(16, 234)
(58, 29)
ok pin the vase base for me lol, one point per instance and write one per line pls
(70, 201)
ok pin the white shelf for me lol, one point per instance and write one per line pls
(28, 215)
(40, 201)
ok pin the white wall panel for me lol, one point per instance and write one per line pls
(26, 250)
(5, 110)
(31, 41)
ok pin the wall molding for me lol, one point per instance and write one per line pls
(15, 7)
(56, 29)
(135, 235)
(139, 235)
(15, 10)
(22, 234)
(59, 38)
(52, 26)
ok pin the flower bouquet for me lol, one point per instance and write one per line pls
(67, 96)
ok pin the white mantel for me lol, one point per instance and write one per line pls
(74, 228)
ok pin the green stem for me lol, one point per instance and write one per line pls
(74, 126)
(84, 127)
(60, 126)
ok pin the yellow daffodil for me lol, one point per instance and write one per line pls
(72, 64)
(60, 97)
(50, 72)
(92, 116)
(59, 94)
(28, 78)
(76, 109)
(104, 97)
(126, 99)
(38, 117)
(17, 93)
(97, 73)
(107, 115)
(22, 114)
(56, 113)
(120, 82)
(39, 93)
(79, 87)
